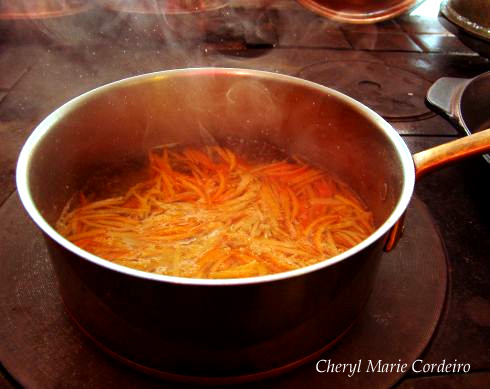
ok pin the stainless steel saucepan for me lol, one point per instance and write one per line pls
(233, 329)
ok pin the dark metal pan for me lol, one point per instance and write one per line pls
(465, 101)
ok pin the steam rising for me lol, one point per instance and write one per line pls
(99, 41)
(174, 24)
(183, 28)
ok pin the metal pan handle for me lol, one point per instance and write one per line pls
(436, 158)
(448, 153)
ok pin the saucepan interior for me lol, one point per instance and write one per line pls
(120, 122)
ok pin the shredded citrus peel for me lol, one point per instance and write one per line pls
(207, 213)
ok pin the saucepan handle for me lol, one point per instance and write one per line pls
(448, 153)
(438, 157)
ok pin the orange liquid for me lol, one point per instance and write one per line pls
(210, 213)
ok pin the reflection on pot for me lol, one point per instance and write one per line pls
(40, 9)
(359, 11)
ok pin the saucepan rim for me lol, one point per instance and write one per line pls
(27, 152)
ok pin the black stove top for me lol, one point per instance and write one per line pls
(389, 66)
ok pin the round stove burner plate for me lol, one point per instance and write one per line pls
(42, 348)
(394, 93)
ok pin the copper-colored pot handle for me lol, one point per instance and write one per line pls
(437, 157)
(447, 153)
